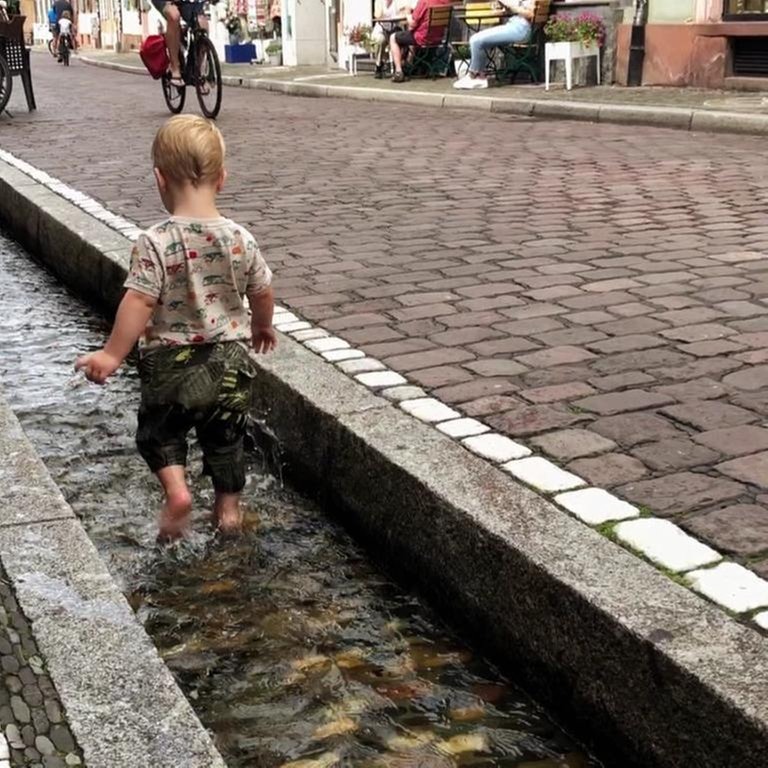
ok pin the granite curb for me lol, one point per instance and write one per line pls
(122, 703)
(599, 634)
(681, 118)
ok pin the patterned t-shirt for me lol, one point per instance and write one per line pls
(198, 270)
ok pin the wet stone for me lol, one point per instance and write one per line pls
(45, 746)
(13, 735)
(20, 709)
(62, 738)
(40, 721)
(32, 754)
(27, 676)
(28, 735)
(53, 711)
(32, 695)
(13, 684)
(740, 529)
(9, 664)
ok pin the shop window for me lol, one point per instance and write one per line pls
(745, 10)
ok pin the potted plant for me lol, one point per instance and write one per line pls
(359, 37)
(578, 34)
(275, 53)
(461, 54)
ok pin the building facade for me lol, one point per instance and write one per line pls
(704, 43)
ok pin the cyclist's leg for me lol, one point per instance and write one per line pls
(172, 17)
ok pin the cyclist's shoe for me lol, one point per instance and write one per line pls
(177, 82)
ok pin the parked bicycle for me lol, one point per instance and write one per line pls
(65, 47)
(200, 67)
(6, 83)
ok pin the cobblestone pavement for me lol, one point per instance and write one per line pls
(33, 729)
(646, 96)
(595, 289)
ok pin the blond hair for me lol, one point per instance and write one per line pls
(189, 149)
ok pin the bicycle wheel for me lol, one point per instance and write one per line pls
(174, 96)
(207, 77)
(6, 83)
(65, 52)
(51, 49)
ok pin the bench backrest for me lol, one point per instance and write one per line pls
(541, 12)
(13, 29)
(440, 16)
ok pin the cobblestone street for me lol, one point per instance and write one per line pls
(595, 290)
(33, 730)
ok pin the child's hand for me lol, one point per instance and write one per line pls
(264, 339)
(98, 366)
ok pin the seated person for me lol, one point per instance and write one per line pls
(418, 35)
(384, 9)
(517, 29)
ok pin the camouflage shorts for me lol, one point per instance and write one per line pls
(207, 387)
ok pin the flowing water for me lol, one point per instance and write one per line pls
(291, 646)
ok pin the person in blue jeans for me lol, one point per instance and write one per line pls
(517, 29)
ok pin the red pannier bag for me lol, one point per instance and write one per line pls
(154, 54)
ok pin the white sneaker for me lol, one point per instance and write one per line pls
(478, 82)
(463, 83)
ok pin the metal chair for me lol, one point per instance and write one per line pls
(16, 55)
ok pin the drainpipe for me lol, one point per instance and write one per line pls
(637, 44)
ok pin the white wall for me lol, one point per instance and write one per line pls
(304, 33)
(352, 12)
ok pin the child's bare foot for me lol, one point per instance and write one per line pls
(174, 516)
(227, 513)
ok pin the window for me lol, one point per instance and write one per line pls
(744, 10)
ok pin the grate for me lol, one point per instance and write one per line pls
(13, 53)
(750, 56)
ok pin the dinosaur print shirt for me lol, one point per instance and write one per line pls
(198, 270)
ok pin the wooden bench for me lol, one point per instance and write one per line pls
(15, 53)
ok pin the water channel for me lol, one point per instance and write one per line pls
(292, 647)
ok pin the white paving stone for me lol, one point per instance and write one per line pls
(363, 365)
(662, 542)
(543, 474)
(337, 355)
(326, 344)
(4, 751)
(761, 619)
(428, 409)
(595, 506)
(732, 586)
(5, 764)
(463, 427)
(496, 447)
(311, 333)
(284, 317)
(292, 327)
(378, 379)
(398, 394)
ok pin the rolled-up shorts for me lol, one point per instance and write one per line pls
(205, 387)
(188, 10)
(405, 39)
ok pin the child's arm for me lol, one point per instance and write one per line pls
(132, 317)
(262, 304)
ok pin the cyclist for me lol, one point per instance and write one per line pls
(60, 6)
(52, 19)
(66, 32)
(174, 11)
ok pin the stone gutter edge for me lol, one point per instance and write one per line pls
(584, 621)
(681, 118)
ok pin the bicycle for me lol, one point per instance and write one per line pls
(200, 68)
(65, 45)
(6, 83)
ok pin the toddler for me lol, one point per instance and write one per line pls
(184, 304)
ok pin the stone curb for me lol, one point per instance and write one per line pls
(688, 119)
(600, 635)
(122, 702)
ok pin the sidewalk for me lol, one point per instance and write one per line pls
(683, 108)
